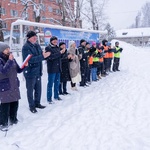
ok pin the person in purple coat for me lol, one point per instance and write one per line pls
(9, 87)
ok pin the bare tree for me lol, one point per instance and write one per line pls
(110, 32)
(78, 22)
(138, 20)
(146, 15)
(1, 25)
(94, 13)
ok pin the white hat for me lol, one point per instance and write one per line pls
(70, 43)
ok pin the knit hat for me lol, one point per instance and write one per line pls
(62, 43)
(82, 40)
(53, 38)
(108, 44)
(98, 45)
(104, 41)
(117, 43)
(31, 34)
(87, 43)
(3, 46)
(70, 43)
(93, 43)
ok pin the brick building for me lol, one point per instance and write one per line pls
(50, 12)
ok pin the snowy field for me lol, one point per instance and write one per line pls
(111, 114)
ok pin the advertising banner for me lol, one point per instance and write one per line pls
(67, 35)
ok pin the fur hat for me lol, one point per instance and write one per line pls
(70, 43)
(3, 46)
(62, 43)
(53, 38)
(30, 34)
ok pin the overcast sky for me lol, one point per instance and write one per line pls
(122, 13)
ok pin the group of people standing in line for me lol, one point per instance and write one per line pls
(81, 65)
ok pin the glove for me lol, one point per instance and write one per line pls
(120, 49)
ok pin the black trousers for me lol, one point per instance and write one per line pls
(8, 111)
(110, 63)
(100, 69)
(33, 86)
(116, 64)
(73, 84)
(63, 85)
(106, 64)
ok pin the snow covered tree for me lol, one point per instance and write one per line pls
(142, 18)
(94, 13)
(146, 15)
(1, 25)
(138, 20)
(111, 32)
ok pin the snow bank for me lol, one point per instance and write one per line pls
(111, 114)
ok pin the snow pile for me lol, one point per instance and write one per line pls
(111, 114)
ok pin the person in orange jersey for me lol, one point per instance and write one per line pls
(106, 56)
(100, 69)
(111, 55)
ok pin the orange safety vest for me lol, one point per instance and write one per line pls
(101, 59)
(111, 55)
(90, 60)
(106, 54)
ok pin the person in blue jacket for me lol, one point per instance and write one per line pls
(33, 72)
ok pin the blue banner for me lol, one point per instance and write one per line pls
(67, 35)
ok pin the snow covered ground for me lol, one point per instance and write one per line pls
(111, 114)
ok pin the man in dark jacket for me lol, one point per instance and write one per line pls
(83, 62)
(33, 72)
(53, 68)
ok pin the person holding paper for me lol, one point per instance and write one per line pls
(33, 72)
(9, 87)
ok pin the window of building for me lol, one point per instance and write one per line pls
(14, 1)
(14, 13)
(51, 20)
(16, 27)
(50, 9)
(3, 11)
(124, 33)
(43, 18)
(57, 1)
(43, 7)
(58, 11)
(4, 25)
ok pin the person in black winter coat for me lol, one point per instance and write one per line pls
(83, 62)
(53, 68)
(33, 72)
(65, 75)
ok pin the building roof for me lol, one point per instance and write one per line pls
(134, 32)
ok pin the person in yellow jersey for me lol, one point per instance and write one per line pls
(117, 57)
